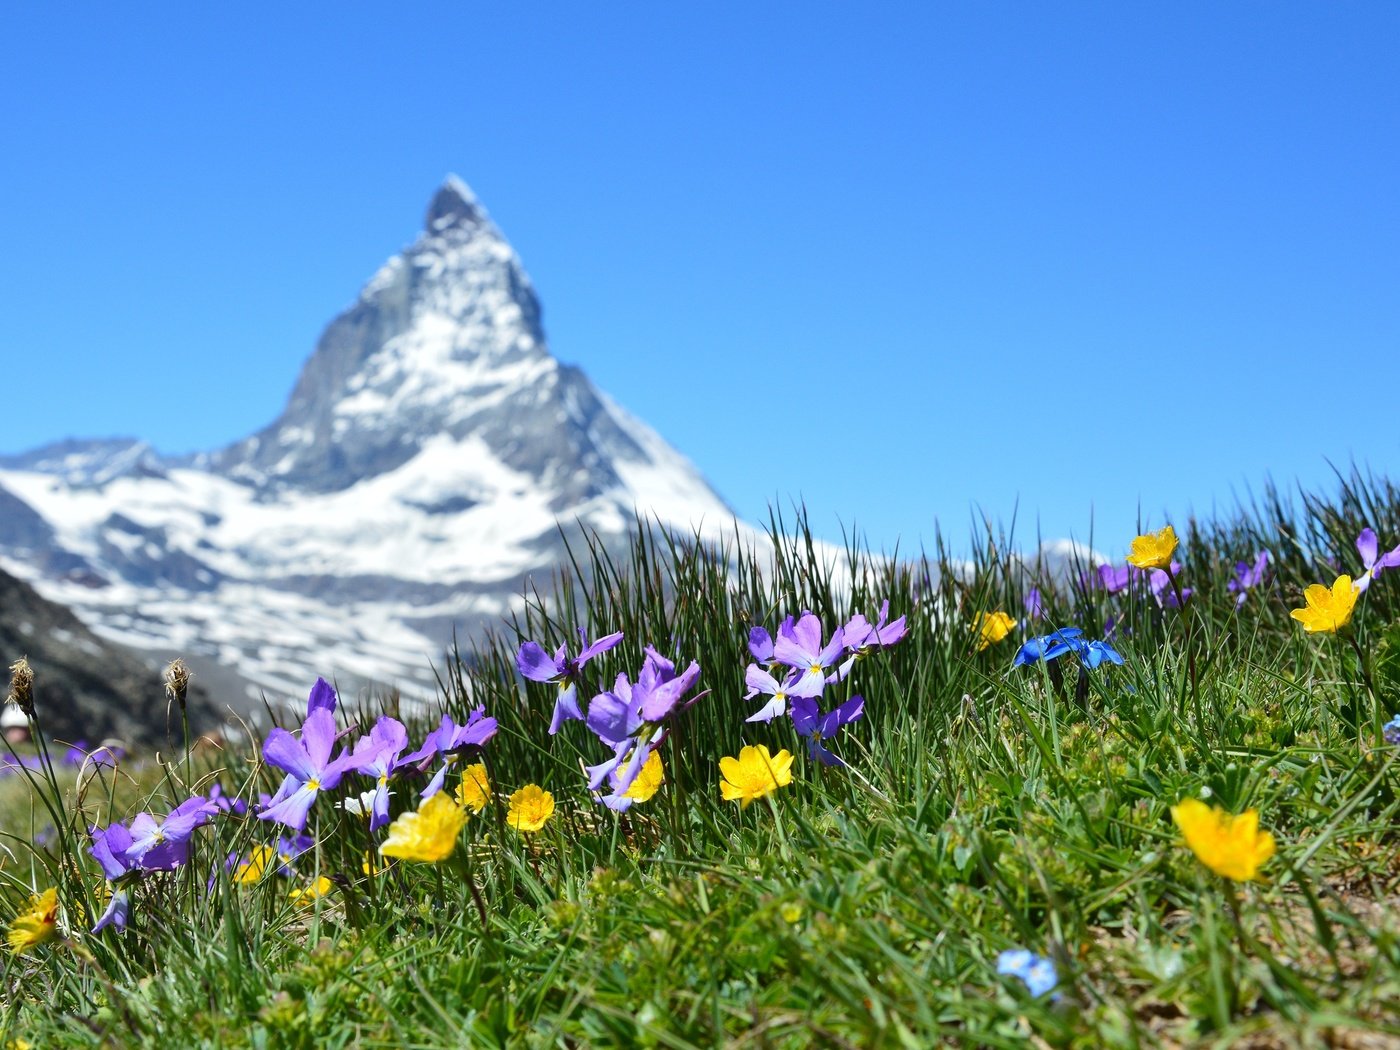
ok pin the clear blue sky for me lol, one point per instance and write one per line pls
(899, 260)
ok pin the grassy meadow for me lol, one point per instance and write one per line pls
(984, 808)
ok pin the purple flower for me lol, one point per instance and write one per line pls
(1247, 577)
(1035, 607)
(10, 765)
(1368, 547)
(225, 804)
(162, 845)
(761, 644)
(308, 765)
(109, 848)
(817, 727)
(760, 681)
(1115, 578)
(538, 666)
(104, 755)
(322, 697)
(629, 718)
(289, 848)
(118, 910)
(799, 645)
(107, 755)
(1160, 584)
(446, 740)
(860, 637)
(377, 756)
(76, 754)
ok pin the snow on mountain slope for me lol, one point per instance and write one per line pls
(411, 485)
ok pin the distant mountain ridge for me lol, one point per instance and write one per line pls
(427, 458)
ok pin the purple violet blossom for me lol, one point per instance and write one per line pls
(561, 669)
(9, 765)
(817, 727)
(308, 765)
(799, 645)
(1035, 606)
(377, 756)
(760, 681)
(1115, 578)
(1160, 584)
(761, 645)
(861, 637)
(629, 718)
(322, 696)
(225, 804)
(447, 740)
(165, 844)
(103, 755)
(1247, 577)
(1369, 549)
(289, 848)
(109, 848)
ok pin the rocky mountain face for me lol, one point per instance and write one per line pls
(416, 478)
(86, 688)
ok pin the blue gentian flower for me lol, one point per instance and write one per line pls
(1066, 640)
(1037, 972)
(1390, 732)
(1047, 647)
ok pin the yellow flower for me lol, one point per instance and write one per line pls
(530, 807)
(1154, 550)
(255, 867)
(36, 925)
(1227, 845)
(992, 627)
(753, 774)
(307, 894)
(648, 780)
(1327, 611)
(475, 789)
(430, 834)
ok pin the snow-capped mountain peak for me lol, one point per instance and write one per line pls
(454, 204)
(416, 477)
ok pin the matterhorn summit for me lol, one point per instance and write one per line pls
(427, 457)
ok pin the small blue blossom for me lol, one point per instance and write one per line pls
(1037, 972)
(1390, 732)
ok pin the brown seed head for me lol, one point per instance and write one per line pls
(177, 681)
(22, 686)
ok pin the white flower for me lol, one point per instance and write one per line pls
(360, 805)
